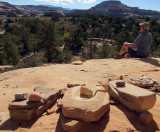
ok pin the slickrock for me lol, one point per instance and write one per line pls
(85, 109)
(133, 97)
(28, 110)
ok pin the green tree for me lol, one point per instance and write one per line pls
(12, 53)
(49, 41)
(76, 41)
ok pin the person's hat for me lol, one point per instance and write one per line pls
(145, 25)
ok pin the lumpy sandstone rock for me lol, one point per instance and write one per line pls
(28, 110)
(133, 97)
(86, 91)
(70, 85)
(84, 109)
(143, 82)
(120, 83)
(77, 63)
(145, 118)
(70, 125)
(21, 96)
(35, 96)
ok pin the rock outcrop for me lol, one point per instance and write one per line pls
(133, 97)
(82, 106)
(85, 109)
(54, 13)
(28, 110)
(146, 118)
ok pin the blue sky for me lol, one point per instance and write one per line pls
(86, 4)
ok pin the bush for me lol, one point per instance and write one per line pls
(61, 56)
(31, 62)
(155, 53)
(3, 59)
(12, 53)
(64, 57)
(98, 51)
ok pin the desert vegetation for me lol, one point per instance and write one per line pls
(58, 40)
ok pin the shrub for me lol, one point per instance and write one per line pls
(31, 62)
(61, 56)
(64, 57)
(3, 59)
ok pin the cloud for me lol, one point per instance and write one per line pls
(58, 1)
(86, 1)
(67, 1)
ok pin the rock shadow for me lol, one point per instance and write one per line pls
(13, 125)
(59, 127)
(151, 61)
(98, 126)
(133, 118)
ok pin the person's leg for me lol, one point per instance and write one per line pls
(122, 52)
(132, 52)
(123, 49)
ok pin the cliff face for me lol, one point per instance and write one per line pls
(6, 9)
(54, 13)
(106, 4)
(110, 8)
(116, 8)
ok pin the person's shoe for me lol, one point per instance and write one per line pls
(127, 56)
(118, 57)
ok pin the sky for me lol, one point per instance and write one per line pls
(86, 4)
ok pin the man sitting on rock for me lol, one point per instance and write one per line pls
(141, 46)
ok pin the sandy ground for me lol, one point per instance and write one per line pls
(91, 72)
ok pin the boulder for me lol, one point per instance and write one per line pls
(70, 125)
(28, 110)
(81, 59)
(21, 96)
(35, 96)
(145, 118)
(90, 91)
(85, 109)
(143, 82)
(133, 97)
(86, 91)
(120, 83)
(70, 85)
(77, 63)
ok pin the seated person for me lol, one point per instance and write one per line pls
(141, 46)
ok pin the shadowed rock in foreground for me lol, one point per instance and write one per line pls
(82, 105)
(133, 97)
(28, 110)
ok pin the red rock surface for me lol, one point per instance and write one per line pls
(92, 71)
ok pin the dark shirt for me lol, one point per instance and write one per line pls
(143, 43)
